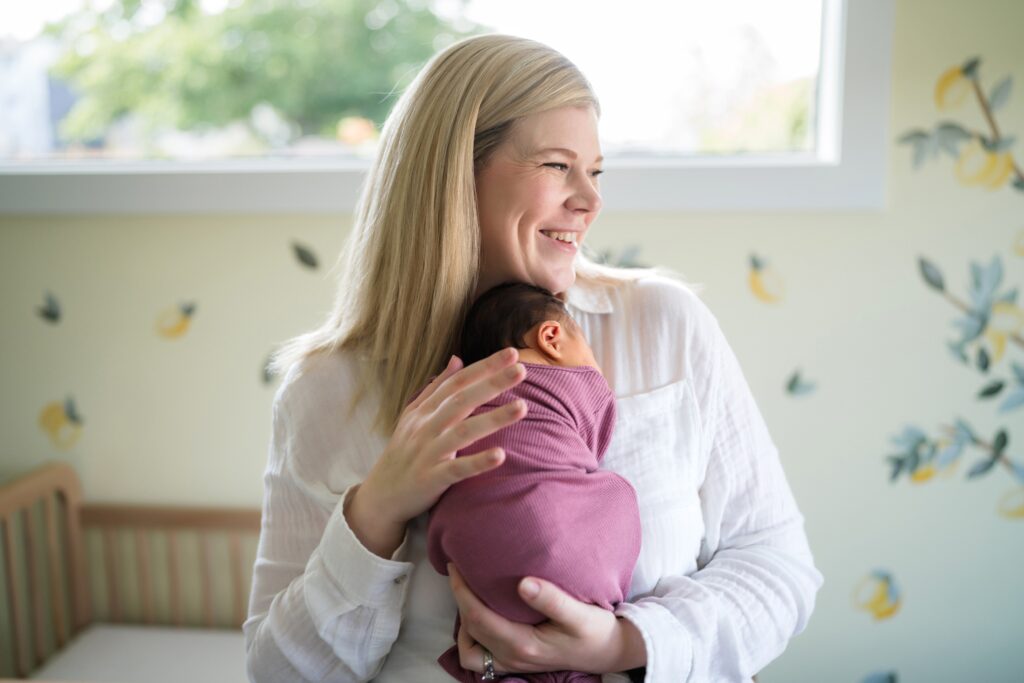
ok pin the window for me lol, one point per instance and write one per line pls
(783, 110)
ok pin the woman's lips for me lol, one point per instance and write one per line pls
(559, 244)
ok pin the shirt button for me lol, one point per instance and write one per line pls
(400, 579)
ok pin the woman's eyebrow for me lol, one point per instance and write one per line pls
(563, 150)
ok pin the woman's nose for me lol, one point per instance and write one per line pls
(586, 196)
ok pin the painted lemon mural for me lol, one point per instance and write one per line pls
(878, 595)
(61, 423)
(982, 158)
(765, 283)
(174, 322)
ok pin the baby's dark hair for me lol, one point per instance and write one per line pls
(503, 315)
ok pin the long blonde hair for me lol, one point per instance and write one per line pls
(409, 267)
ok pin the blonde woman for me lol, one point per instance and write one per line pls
(489, 154)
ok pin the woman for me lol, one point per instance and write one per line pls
(465, 185)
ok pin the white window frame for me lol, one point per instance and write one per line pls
(848, 170)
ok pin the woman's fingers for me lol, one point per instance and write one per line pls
(474, 428)
(454, 365)
(457, 469)
(466, 389)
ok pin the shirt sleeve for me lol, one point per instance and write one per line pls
(756, 582)
(323, 607)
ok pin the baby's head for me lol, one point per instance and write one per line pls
(529, 318)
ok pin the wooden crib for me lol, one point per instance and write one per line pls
(77, 576)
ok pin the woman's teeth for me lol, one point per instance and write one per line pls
(569, 237)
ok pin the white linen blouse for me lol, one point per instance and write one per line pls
(725, 575)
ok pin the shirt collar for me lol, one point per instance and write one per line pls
(588, 297)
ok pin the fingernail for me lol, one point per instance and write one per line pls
(449, 568)
(531, 588)
(451, 362)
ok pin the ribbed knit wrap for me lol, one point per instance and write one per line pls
(547, 511)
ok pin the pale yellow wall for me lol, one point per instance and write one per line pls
(187, 420)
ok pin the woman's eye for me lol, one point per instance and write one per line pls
(565, 166)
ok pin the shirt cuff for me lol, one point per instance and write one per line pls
(364, 577)
(669, 655)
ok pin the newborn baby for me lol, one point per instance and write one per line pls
(547, 511)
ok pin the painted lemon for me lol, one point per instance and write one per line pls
(764, 283)
(1006, 319)
(1011, 505)
(1001, 173)
(951, 88)
(923, 473)
(174, 322)
(976, 165)
(61, 423)
(877, 595)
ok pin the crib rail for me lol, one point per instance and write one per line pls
(66, 564)
(119, 526)
(57, 593)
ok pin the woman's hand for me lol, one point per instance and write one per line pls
(419, 461)
(576, 637)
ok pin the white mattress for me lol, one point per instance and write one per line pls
(117, 653)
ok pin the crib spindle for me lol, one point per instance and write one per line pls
(235, 547)
(35, 590)
(172, 561)
(204, 561)
(113, 593)
(13, 600)
(144, 576)
(56, 584)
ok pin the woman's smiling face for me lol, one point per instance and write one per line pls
(527, 187)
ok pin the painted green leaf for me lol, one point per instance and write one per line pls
(1004, 144)
(881, 677)
(912, 462)
(1018, 371)
(305, 255)
(913, 136)
(950, 135)
(992, 389)
(1009, 297)
(71, 410)
(1018, 184)
(50, 311)
(980, 468)
(983, 360)
(1000, 94)
(755, 262)
(949, 454)
(971, 325)
(970, 67)
(999, 444)
(897, 466)
(957, 349)
(931, 274)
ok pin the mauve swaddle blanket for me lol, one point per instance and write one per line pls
(547, 511)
